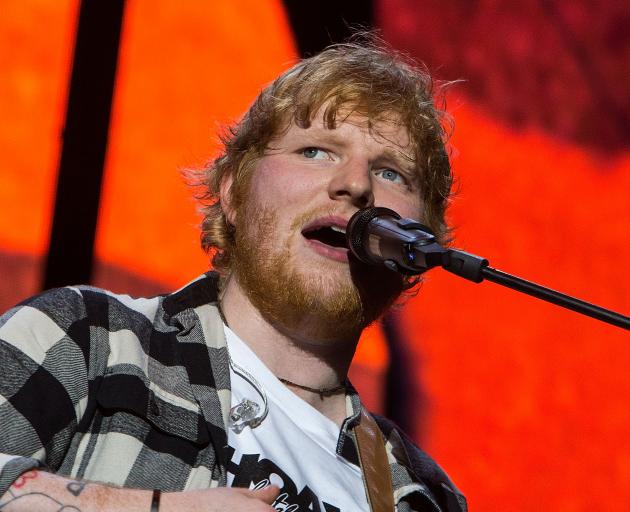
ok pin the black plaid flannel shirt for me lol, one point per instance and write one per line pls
(136, 393)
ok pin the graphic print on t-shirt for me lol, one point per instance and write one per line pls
(294, 447)
(252, 472)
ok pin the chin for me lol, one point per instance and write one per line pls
(321, 304)
(306, 295)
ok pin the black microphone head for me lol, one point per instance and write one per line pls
(357, 234)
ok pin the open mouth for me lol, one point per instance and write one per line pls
(332, 236)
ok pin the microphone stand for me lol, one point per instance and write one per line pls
(476, 269)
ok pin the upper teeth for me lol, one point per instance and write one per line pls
(338, 229)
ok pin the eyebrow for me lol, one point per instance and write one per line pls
(330, 136)
(406, 162)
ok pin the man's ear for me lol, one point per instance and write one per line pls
(225, 198)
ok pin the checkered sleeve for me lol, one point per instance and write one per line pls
(44, 346)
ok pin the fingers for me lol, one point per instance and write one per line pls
(221, 499)
(267, 494)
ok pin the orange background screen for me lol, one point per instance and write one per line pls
(524, 404)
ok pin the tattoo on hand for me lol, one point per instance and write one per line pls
(22, 479)
(76, 488)
(37, 501)
(4, 499)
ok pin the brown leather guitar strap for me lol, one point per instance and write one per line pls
(374, 464)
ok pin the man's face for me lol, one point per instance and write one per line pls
(290, 256)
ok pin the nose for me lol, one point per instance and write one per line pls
(352, 182)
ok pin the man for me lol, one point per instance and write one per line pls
(231, 393)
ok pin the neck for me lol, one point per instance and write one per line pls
(291, 356)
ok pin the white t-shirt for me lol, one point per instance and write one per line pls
(293, 448)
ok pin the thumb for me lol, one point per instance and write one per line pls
(267, 494)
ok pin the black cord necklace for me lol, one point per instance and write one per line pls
(322, 392)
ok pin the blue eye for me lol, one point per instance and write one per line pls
(391, 175)
(315, 153)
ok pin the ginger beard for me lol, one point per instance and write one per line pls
(317, 307)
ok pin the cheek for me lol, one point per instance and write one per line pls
(412, 210)
(405, 205)
(279, 187)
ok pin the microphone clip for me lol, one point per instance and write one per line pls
(381, 236)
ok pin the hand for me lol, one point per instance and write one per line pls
(38, 491)
(220, 499)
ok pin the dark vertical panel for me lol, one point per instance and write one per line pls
(405, 400)
(84, 146)
(316, 25)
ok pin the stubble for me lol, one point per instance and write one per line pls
(316, 306)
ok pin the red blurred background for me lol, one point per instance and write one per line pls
(523, 403)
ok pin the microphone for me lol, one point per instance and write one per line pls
(379, 235)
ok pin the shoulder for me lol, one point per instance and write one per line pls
(72, 313)
(97, 321)
(61, 306)
(422, 467)
(42, 321)
(64, 306)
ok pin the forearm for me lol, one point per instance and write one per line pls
(38, 491)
